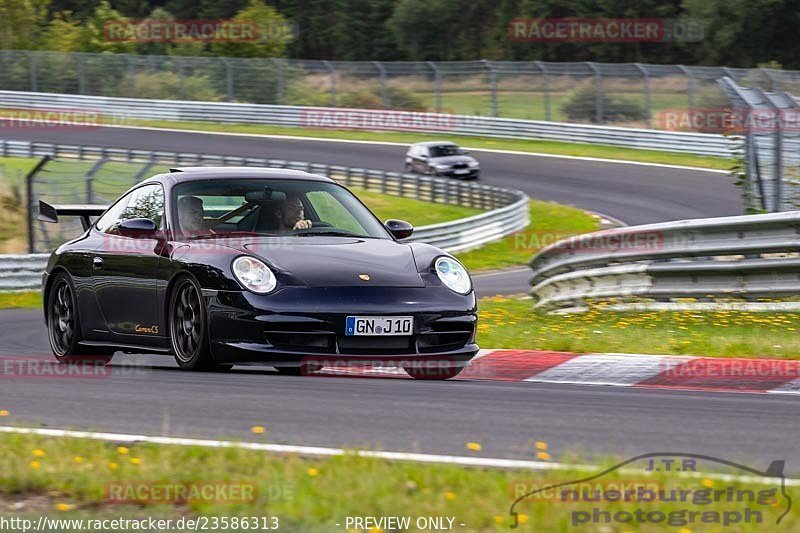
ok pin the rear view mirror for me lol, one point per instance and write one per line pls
(399, 228)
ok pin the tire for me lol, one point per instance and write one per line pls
(188, 328)
(423, 373)
(64, 326)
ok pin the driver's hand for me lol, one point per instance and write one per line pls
(302, 224)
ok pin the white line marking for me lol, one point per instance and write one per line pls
(606, 369)
(392, 456)
(390, 143)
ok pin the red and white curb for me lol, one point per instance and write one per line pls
(621, 370)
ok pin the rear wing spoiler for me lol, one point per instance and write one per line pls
(50, 213)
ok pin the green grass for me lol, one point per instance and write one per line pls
(549, 222)
(532, 106)
(24, 299)
(418, 212)
(72, 478)
(536, 146)
(513, 323)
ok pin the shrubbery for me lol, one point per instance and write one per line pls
(582, 107)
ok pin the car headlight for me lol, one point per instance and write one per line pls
(473, 164)
(254, 275)
(442, 167)
(453, 275)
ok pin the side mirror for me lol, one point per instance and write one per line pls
(399, 228)
(137, 227)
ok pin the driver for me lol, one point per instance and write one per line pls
(290, 214)
(190, 213)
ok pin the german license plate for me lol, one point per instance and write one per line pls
(379, 325)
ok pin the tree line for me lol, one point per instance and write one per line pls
(739, 33)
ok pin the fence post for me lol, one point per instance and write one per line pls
(32, 72)
(492, 86)
(437, 85)
(543, 68)
(332, 71)
(598, 93)
(181, 91)
(131, 73)
(81, 72)
(279, 74)
(29, 198)
(646, 91)
(777, 149)
(384, 96)
(228, 78)
(90, 179)
(689, 86)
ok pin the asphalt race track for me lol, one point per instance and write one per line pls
(404, 415)
(635, 194)
(394, 414)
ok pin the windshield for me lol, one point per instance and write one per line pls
(208, 208)
(445, 150)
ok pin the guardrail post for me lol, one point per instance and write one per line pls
(543, 68)
(646, 92)
(32, 72)
(777, 149)
(279, 77)
(228, 78)
(384, 96)
(492, 86)
(29, 199)
(332, 71)
(437, 85)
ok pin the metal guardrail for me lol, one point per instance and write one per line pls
(120, 111)
(686, 264)
(507, 209)
(22, 272)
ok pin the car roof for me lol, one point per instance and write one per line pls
(435, 143)
(181, 174)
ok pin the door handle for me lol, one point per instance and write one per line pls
(97, 262)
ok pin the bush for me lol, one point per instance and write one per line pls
(398, 98)
(582, 107)
(167, 87)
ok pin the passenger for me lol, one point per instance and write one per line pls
(190, 214)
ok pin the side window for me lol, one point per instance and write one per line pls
(112, 216)
(146, 202)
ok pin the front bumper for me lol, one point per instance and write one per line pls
(472, 173)
(299, 324)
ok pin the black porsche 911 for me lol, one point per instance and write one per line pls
(224, 266)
